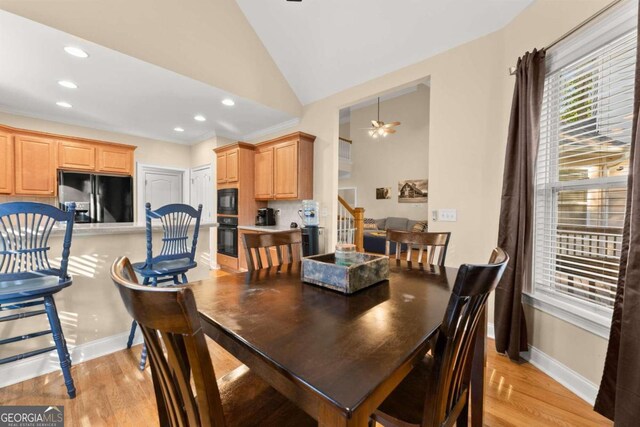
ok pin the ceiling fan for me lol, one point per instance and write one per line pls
(380, 128)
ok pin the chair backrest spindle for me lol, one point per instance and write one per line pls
(283, 241)
(176, 220)
(431, 242)
(25, 228)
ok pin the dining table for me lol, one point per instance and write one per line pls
(336, 356)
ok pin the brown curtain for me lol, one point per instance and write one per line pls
(516, 212)
(619, 395)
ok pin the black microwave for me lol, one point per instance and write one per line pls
(228, 201)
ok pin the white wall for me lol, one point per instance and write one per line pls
(382, 162)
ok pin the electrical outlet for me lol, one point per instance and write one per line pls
(449, 215)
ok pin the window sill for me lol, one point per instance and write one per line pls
(589, 320)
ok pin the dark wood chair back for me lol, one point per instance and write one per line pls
(183, 377)
(435, 244)
(284, 243)
(448, 388)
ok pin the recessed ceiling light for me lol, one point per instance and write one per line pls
(178, 129)
(63, 104)
(68, 84)
(200, 118)
(76, 51)
(228, 102)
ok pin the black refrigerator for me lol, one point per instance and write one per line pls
(98, 198)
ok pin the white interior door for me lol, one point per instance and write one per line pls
(163, 187)
(202, 191)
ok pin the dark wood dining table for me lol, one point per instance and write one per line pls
(336, 356)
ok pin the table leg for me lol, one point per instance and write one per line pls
(478, 364)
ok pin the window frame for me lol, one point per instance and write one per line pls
(590, 316)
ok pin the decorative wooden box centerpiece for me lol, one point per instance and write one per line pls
(346, 274)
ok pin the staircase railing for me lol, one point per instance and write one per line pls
(344, 149)
(350, 224)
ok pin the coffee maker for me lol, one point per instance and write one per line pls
(266, 216)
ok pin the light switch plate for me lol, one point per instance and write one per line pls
(448, 215)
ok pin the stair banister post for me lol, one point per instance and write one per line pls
(358, 217)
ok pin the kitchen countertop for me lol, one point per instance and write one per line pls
(266, 228)
(114, 228)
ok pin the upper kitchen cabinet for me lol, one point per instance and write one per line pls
(284, 168)
(264, 173)
(6, 163)
(227, 165)
(76, 155)
(35, 165)
(115, 159)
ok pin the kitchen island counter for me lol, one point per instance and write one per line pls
(115, 228)
(266, 228)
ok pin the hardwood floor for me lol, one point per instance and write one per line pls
(112, 391)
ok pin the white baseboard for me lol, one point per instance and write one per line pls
(576, 383)
(25, 369)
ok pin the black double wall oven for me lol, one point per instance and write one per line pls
(228, 236)
(228, 225)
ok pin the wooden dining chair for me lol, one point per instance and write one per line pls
(283, 243)
(184, 381)
(431, 242)
(436, 391)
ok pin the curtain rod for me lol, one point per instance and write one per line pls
(512, 70)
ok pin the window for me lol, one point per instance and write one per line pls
(582, 165)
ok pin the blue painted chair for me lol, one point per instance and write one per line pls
(27, 278)
(175, 258)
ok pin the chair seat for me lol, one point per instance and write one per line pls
(248, 401)
(405, 405)
(163, 268)
(30, 287)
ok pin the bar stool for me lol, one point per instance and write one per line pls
(175, 258)
(27, 278)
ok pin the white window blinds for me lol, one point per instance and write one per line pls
(583, 159)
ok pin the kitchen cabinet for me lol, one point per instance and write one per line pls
(35, 165)
(115, 159)
(264, 174)
(76, 155)
(227, 166)
(284, 168)
(221, 168)
(6, 163)
(29, 159)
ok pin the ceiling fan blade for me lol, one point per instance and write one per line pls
(392, 124)
(375, 123)
(389, 130)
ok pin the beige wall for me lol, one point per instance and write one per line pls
(405, 154)
(207, 40)
(470, 101)
(91, 307)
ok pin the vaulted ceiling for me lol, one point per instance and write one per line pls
(156, 63)
(325, 46)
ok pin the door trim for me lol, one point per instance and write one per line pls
(141, 169)
(212, 199)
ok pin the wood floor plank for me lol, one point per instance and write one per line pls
(113, 391)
